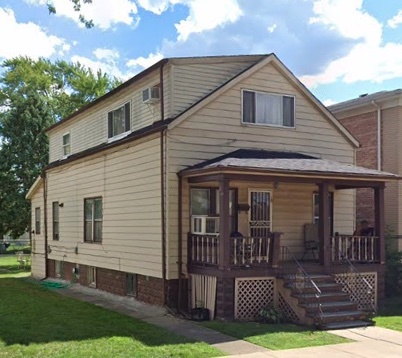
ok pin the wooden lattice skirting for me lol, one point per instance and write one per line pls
(251, 295)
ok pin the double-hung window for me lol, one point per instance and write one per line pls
(66, 144)
(268, 109)
(119, 121)
(93, 218)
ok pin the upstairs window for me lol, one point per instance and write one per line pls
(66, 145)
(93, 218)
(268, 109)
(119, 121)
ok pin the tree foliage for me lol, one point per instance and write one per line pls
(34, 95)
(77, 7)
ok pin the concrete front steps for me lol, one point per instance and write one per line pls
(332, 309)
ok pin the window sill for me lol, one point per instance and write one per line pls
(119, 136)
(244, 124)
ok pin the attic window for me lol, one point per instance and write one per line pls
(268, 109)
(119, 121)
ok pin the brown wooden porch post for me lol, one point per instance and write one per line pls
(224, 234)
(380, 222)
(323, 226)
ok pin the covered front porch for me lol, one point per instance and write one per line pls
(245, 218)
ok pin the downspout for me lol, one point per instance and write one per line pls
(180, 245)
(45, 220)
(379, 161)
(162, 159)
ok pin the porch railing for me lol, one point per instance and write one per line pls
(203, 250)
(354, 248)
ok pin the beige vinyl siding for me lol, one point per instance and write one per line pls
(216, 129)
(392, 162)
(128, 180)
(38, 267)
(193, 81)
(89, 128)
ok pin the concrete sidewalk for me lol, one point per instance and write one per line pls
(159, 317)
(370, 342)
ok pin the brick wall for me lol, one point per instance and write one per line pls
(150, 290)
(364, 129)
(111, 281)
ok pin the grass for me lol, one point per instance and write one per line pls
(36, 322)
(9, 267)
(276, 336)
(391, 316)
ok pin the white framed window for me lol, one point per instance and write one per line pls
(93, 219)
(58, 268)
(55, 212)
(268, 109)
(66, 144)
(37, 221)
(119, 121)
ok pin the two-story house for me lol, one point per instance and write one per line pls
(214, 181)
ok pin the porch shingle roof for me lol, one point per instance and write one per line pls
(286, 162)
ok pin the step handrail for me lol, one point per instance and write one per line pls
(307, 278)
(354, 270)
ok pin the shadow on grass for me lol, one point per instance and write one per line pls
(30, 314)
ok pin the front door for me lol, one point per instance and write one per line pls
(260, 213)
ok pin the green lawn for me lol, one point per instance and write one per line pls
(35, 322)
(9, 267)
(276, 336)
(391, 316)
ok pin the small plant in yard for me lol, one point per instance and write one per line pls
(270, 314)
(200, 313)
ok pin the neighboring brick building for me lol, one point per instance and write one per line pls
(375, 121)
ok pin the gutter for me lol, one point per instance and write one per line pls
(379, 144)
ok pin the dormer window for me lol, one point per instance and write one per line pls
(268, 109)
(66, 145)
(119, 121)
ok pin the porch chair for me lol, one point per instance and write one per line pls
(310, 239)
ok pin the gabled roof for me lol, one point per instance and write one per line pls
(365, 100)
(34, 188)
(271, 58)
(158, 65)
(284, 163)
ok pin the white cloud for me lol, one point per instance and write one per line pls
(109, 67)
(396, 20)
(328, 102)
(104, 13)
(144, 62)
(27, 39)
(369, 59)
(272, 28)
(106, 54)
(203, 14)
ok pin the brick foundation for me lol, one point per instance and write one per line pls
(225, 299)
(149, 289)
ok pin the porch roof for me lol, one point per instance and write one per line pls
(284, 163)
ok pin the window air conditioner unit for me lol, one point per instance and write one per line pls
(151, 94)
(204, 225)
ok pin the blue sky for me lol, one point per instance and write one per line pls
(338, 48)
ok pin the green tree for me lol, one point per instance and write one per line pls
(77, 7)
(34, 95)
